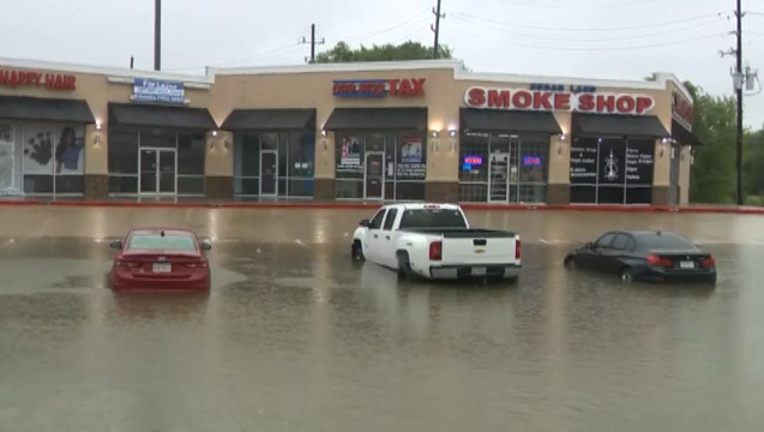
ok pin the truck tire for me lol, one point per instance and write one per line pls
(357, 251)
(404, 265)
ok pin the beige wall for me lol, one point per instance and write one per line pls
(684, 175)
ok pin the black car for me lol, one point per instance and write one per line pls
(645, 255)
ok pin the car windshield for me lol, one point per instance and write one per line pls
(159, 242)
(664, 241)
(433, 218)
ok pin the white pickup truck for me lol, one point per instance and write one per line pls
(435, 241)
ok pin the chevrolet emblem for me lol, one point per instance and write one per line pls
(479, 251)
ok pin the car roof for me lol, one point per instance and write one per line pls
(422, 206)
(158, 230)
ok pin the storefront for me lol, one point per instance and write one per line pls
(380, 153)
(274, 153)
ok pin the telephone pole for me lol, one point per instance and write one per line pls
(157, 35)
(313, 43)
(436, 29)
(739, 87)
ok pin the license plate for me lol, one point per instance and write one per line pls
(162, 268)
(478, 271)
(687, 265)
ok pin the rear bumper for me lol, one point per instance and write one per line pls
(657, 274)
(124, 281)
(492, 271)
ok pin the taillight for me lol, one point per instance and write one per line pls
(518, 249)
(709, 262)
(656, 261)
(436, 251)
(198, 264)
(128, 264)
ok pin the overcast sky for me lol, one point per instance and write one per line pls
(621, 39)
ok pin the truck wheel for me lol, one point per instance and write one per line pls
(404, 266)
(357, 251)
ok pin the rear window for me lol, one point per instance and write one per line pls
(664, 241)
(432, 218)
(156, 242)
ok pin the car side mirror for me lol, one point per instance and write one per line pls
(590, 245)
(116, 244)
(365, 223)
(205, 245)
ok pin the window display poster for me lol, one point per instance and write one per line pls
(612, 162)
(639, 162)
(583, 161)
(351, 150)
(69, 154)
(411, 150)
(38, 148)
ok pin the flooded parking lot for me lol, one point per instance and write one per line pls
(294, 336)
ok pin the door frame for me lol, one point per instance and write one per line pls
(490, 178)
(275, 176)
(366, 175)
(157, 171)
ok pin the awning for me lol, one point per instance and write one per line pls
(32, 108)
(377, 118)
(618, 125)
(160, 116)
(273, 119)
(682, 135)
(508, 121)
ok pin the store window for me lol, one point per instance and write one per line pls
(611, 171)
(156, 161)
(503, 168)
(270, 164)
(380, 165)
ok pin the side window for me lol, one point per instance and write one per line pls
(376, 223)
(604, 241)
(390, 220)
(620, 242)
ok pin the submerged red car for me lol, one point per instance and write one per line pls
(160, 259)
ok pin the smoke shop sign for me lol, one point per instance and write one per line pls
(555, 100)
(26, 78)
(379, 87)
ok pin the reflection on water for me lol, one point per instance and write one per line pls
(298, 337)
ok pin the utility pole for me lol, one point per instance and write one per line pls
(313, 43)
(157, 35)
(739, 87)
(436, 29)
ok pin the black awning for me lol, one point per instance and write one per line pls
(32, 108)
(509, 121)
(377, 118)
(682, 135)
(273, 119)
(618, 125)
(161, 116)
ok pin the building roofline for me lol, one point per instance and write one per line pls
(338, 67)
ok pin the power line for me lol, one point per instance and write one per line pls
(238, 60)
(623, 48)
(575, 5)
(622, 38)
(573, 29)
(387, 30)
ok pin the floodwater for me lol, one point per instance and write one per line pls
(296, 337)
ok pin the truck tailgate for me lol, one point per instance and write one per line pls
(479, 250)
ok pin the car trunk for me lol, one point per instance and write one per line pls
(161, 264)
(682, 260)
(479, 250)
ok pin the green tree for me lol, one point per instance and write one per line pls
(343, 53)
(713, 173)
(753, 167)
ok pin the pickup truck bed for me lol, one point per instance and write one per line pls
(462, 232)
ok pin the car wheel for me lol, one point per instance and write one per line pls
(570, 262)
(626, 275)
(357, 251)
(404, 266)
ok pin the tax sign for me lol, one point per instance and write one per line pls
(378, 87)
(528, 100)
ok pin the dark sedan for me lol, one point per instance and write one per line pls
(645, 255)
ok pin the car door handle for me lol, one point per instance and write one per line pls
(387, 237)
(376, 236)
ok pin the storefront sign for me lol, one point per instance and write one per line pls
(561, 88)
(531, 161)
(682, 110)
(379, 87)
(53, 81)
(149, 90)
(527, 100)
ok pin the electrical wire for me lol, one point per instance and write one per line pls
(623, 48)
(600, 39)
(576, 5)
(379, 32)
(239, 60)
(573, 29)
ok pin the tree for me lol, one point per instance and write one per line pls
(753, 167)
(713, 173)
(342, 53)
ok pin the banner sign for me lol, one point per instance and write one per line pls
(682, 110)
(528, 100)
(149, 90)
(378, 87)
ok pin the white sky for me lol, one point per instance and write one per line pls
(626, 39)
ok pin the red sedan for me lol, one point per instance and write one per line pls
(160, 259)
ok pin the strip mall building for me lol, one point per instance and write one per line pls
(420, 130)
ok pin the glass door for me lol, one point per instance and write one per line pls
(498, 170)
(148, 171)
(374, 184)
(269, 172)
(167, 171)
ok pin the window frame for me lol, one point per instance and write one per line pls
(382, 212)
(392, 215)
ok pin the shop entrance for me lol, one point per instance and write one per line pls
(374, 184)
(158, 168)
(503, 171)
(269, 169)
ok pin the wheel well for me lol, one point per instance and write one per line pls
(625, 267)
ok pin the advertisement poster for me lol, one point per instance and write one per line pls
(411, 151)
(411, 160)
(351, 151)
(583, 162)
(69, 154)
(639, 162)
(38, 148)
(612, 162)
